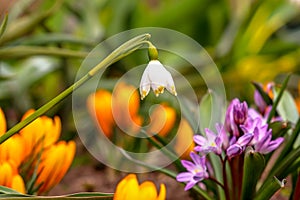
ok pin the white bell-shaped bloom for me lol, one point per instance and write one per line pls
(158, 78)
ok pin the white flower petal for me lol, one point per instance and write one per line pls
(158, 78)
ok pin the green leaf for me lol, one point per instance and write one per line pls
(25, 51)
(3, 25)
(289, 143)
(270, 189)
(253, 167)
(285, 166)
(6, 190)
(279, 128)
(286, 108)
(211, 110)
(277, 99)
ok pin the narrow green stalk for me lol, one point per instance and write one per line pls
(24, 51)
(122, 51)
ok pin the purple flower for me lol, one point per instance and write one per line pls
(212, 142)
(236, 115)
(239, 146)
(240, 113)
(253, 123)
(196, 171)
(262, 141)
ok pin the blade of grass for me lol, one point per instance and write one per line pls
(277, 100)
(263, 94)
(3, 25)
(25, 51)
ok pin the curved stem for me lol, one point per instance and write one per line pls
(119, 53)
(216, 181)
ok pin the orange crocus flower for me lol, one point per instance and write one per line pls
(40, 134)
(117, 109)
(129, 189)
(54, 164)
(99, 106)
(184, 142)
(125, 107)
(163, 118)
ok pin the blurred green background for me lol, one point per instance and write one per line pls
(45, 42)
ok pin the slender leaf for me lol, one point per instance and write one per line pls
(278, 98)
(3, 25)
(287, 108)
(288, 146)
(6, 190)
(263, 94)
(270, 189)
(25, 51)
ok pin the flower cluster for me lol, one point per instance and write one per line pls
(35, 150)
(243, 127)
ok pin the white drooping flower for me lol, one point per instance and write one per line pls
(158, 78)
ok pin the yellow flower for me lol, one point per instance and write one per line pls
(163, 118)
(54, 164)
(40, 134)
(184, 142)
(9, 177)
(13, 149)
(129, 189)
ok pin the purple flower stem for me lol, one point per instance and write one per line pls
(237, 170)
(226, 189)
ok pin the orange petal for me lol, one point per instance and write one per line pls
(125, 106)
(147, 191)
(6, 173)
(99, 106)
(2, 123)
(127, 189)
(184, 142)
(14, 148)
(52, 130)
(67, 159)
(162, 192)
(18, 184)
(163, 118)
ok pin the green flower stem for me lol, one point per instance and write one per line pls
(122, 51)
